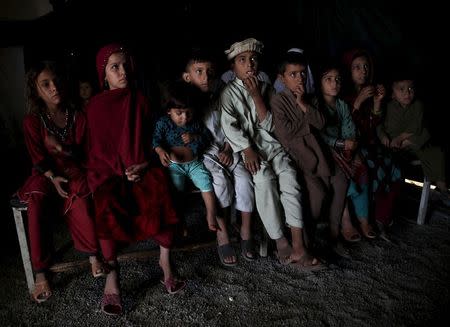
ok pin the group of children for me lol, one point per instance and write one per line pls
(242, 143)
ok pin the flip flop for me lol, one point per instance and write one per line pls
(226, 250)
(350, 236)
(111, 304)
(173, 285)
(367, 231)
(99, 269)
(246, 248)
(41, 292)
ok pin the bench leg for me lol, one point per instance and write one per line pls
(22, 236)
(264, 243)
(423, 206)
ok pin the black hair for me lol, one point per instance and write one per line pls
(195, 55)
(324, 67)
(183, 95)
(291, 58)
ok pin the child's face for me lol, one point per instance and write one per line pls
(85, 90)
(294, 76)
(403, 92)
(331, 83)
(180, 116)
(47, 88)
(116, 71)
(200, 74)
(360, 70)
(246, 64)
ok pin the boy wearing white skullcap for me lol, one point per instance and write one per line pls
(247, 125)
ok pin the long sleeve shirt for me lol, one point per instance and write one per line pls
(400, 120)
(240, 122)
(167, 134)
(340, 125)
(296, 130)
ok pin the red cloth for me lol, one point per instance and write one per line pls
(118, 137)
(44, 201)
(365, 121)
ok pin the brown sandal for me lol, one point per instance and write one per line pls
(41, 292)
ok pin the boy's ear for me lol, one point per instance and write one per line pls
(186, 77)
(281, 77)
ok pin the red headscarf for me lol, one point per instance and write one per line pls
(351, 55)
(103, 56)
(118, 125)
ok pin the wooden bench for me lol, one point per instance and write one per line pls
(424, 197)
(19, 212)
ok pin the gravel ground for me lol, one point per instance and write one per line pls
(401, 282)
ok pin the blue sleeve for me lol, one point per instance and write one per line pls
(159, 134)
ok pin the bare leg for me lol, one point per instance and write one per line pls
(298, 247)
(348, 231)
(210, 204)
(246, 223)
(40, 277)
(299, 253)
(246, 232)
(223, 237)
(172, 284)
(284, 250)
(112, 280)
(164, 262)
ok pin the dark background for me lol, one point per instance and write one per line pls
(396, 32)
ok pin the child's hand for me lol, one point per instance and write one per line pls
(405, 144)
(134, 172)
(380, 92)
(350, 145)
(385, 141)
(57, 180)
(164, 157)
(252, 85)
(188, 137)
(396, 142)
(226, 158)
(299, 94)
(53, 143)
(365, 93)
(251, 160)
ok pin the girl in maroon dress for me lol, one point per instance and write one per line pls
(54, 134)
(132, 200)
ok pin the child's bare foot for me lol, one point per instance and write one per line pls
(212, 223)
(306, 262)
(284, 251)
(350, 234)
(367, 229)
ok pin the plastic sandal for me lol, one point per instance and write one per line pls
(41, 292)
(99, 269)
(111, 304)
(173, 285)
(246, 248)
(350, 235)
(226, 250)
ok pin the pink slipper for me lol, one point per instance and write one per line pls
(173, 285)
(111, 304)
